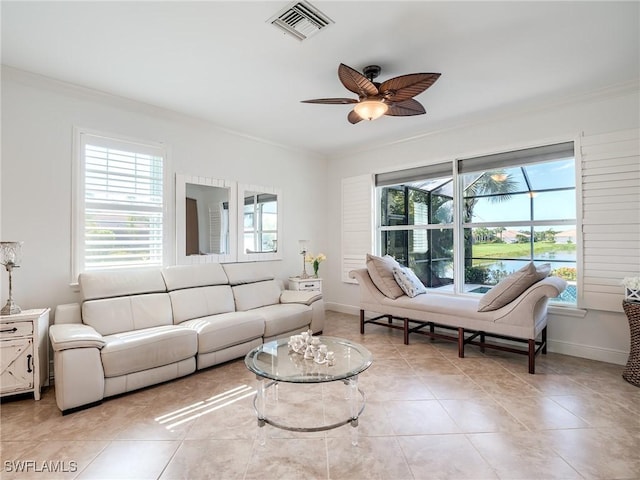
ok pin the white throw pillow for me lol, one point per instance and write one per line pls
(381, 272)
(512, 286)
(408, 281)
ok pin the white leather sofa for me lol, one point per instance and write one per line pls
(522, 319)
(137, 328)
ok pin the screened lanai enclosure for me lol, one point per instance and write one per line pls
(427, 251)
(499, 212)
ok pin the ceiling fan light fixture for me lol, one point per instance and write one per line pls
(371, 109)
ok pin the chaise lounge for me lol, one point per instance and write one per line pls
(521, 319)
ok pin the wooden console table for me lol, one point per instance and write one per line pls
(631, 371)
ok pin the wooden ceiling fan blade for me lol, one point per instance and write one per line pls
(331, 101)
(404, 87)
(407, 108)
(356, 82)
(353, 117)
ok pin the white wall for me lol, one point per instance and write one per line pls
(38, 116)
(591, 334)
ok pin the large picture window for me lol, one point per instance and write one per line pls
(119, 204)
(514, 208)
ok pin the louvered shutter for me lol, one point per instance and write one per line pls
(357, 223)
(610, 216)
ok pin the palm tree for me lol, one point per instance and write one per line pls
(496, 186)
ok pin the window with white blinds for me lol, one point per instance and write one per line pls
(120, 204)
(610, 215)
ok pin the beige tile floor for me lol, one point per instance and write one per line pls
(429, 415)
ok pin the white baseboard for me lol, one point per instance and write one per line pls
(617, 357)
(341, 308)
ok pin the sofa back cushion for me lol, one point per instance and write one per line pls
(189, 303)
(241, 273)
(108, 284)
(127, 313)
(188, 276)
(255, 295)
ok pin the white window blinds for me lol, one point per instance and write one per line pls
(610, 216)
(121, 193)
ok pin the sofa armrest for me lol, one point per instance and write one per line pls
(306, 297)
(533, 301)
(369, 293)
(68, 313)
(73, 335)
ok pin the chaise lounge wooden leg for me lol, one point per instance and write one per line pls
(461, 342)
(532, 356)
(406, 331)
(361, 322)
(544, 340)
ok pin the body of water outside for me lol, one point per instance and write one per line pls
(556, 260)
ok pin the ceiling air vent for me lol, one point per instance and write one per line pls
(301, 20)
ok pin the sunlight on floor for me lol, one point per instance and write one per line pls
(198, 409)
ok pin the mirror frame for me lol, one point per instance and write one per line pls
(180, 215)
(258, 257)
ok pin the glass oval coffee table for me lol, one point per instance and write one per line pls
(275, 362)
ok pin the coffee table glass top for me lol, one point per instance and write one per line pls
(274, 360)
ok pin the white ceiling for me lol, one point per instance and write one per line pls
(223, 62)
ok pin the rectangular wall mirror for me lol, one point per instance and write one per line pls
(206, 219)
(260, 222)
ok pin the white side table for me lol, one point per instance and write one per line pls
(24, 352)
(311, 283)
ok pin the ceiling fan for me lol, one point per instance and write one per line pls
(392, 97)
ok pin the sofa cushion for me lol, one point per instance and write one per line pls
(381, 272)
(408, 281)
(201, 302)
(226, 329)
(124, 314)
(107, 284)
(255, 295)
(283, 318)
(139, 350)
(188, 276)
(512, 286)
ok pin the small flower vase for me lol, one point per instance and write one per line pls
(631, 295)
(316, 266)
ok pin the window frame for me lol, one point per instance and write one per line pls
(82, 137)
(257, 231)
(459, 225)
(409, 228)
